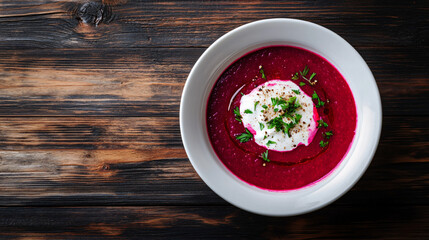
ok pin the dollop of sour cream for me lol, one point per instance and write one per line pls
(283, 104)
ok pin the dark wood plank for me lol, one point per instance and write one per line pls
(149, 82)
(214, 222)
(91, 133)
(191, 23)
(68, 161)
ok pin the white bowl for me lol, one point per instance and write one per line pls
(234, 45)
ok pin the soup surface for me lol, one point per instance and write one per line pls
(281, 118)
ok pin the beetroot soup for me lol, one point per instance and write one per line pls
(281, 118)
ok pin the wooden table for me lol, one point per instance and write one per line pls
(90, 144)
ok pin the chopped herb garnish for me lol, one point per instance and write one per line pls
(265, 137)
(264, 156)
(312, 76)
(289, 107)
(320, 103)
(265, 106)
(301, 84)
(270, 142)
(242, 94)
(256, 104)
(304, 72)
(297, 118)
(296, 91)
(328, 134)
(323, 144)
(237, 114)
(321, 123)
(275, 101)
(261, 70)
(276, 122)
(244, 137)
(315, 96)
(261, 126)
(295, 76)
(248, 111)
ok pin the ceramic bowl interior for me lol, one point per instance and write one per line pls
(234, 45)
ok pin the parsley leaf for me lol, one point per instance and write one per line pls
(274, 101)
(297, 118)
(261, 70)
(315, 96)
(247, 111)
(296, 91)
(265, 106)
(321, 123)
(256, 104)
(328, 134)
(242, 94)
(305, 71)
(295, 76)
(323, 144)
(301, 84)
(237, 114)
(244, 137)
(270, 142)
(276, 123)
(264, 156)
(320, 103)
(261, 126)
(312, 76)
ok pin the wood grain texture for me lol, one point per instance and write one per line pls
(67, 161)
(198, 24)
(215, 222)
(149, 82)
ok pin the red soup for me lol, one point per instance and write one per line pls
(281, 118)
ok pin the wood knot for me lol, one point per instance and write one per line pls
(105, 166)
(94, 13)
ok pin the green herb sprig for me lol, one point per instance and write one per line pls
(303, 75)
(320, 103)
(323, 144)
(321, 123)
(237, 114)
(270, 142)
(296, 91)
(256, 104)
(264, 156)
(328, 134)
(295, 76)
(245, 137)
(261, 70)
